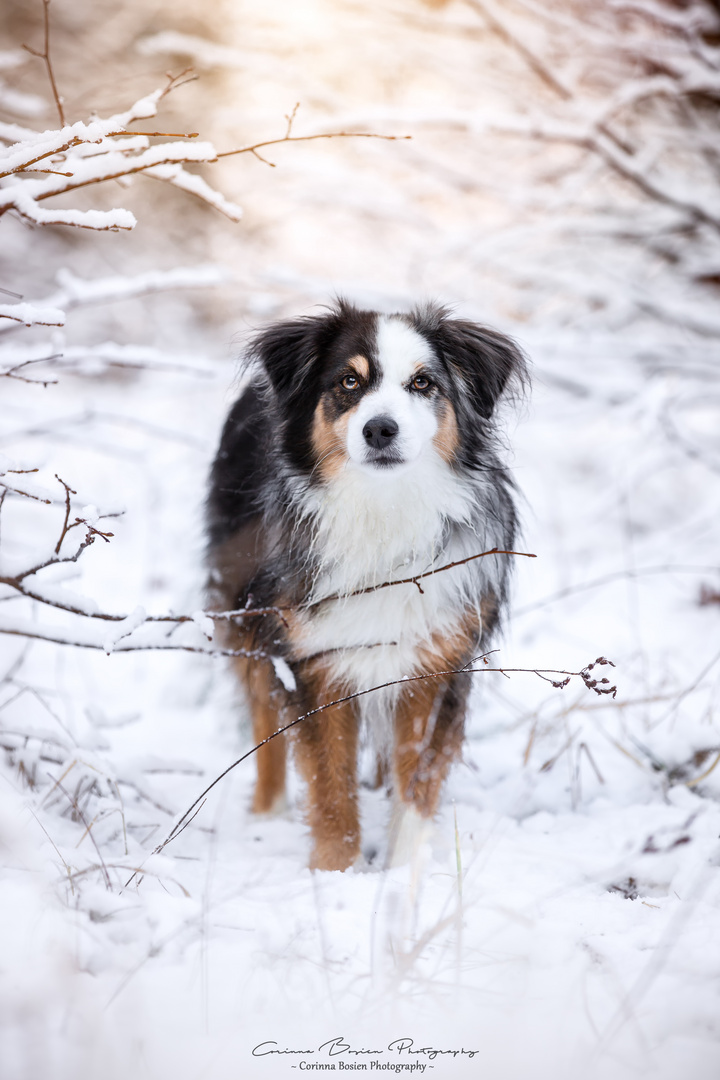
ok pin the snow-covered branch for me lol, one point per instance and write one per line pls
(40, 165)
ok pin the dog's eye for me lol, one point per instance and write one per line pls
(350, 382)
(421, 382)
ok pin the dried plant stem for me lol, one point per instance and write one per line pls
(703, 776)
(88, 830)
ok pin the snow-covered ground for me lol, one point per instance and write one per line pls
(563, 918)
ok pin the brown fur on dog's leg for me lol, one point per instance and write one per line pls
(326, 752)
(428, 738)
(260, 680)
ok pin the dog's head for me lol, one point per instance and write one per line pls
(381, 393)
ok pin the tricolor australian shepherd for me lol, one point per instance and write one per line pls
(363, 451)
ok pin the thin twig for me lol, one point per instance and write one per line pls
(54, 560)
(12, 372)
(291, 119)
(17, 582)
(417, 578)
(541, 672)
(688, 690)
(45, 55)
(26, 494)
(161, 134)
(615, 575)
(176, 81)
(26, 632)
(68, 492)
(308, 138)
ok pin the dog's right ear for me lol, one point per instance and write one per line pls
(288, 350)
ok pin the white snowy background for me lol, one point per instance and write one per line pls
(562, 183)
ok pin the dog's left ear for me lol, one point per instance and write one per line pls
(487, 361)
(287, 351)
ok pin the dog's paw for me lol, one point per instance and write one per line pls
(277, 807)
(409, 830)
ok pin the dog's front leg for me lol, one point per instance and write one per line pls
(266, 705)
(326, 748)
(429, 725)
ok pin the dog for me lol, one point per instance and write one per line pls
(360, 458)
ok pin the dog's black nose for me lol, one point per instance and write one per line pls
(380, 431)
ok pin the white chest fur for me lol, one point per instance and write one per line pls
(372, 528)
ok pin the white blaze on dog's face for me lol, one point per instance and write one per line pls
(388, 411)
(395, 421)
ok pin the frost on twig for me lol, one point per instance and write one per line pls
(36, 166)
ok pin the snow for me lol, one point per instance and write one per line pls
(20, 104)
(74, 291)
(283, 672)
(19, 198)
(205, 623)
(123, 629)
(32, 315)
(560, 919)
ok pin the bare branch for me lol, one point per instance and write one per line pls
(541, 672)
(494, 20)
(174, 82)
(32, 315)
(37, 633)
(623, 163)
(308, 138)
(18, 583)
(417, 578)
(615, 575)
(68, 492)
(54, 560)
(12, 372)
(26, 494)
(291, 119)
(45, 55)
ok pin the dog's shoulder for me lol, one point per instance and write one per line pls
(240, 468)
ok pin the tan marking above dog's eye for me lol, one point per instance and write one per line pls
(421, 382)
(350, 382)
